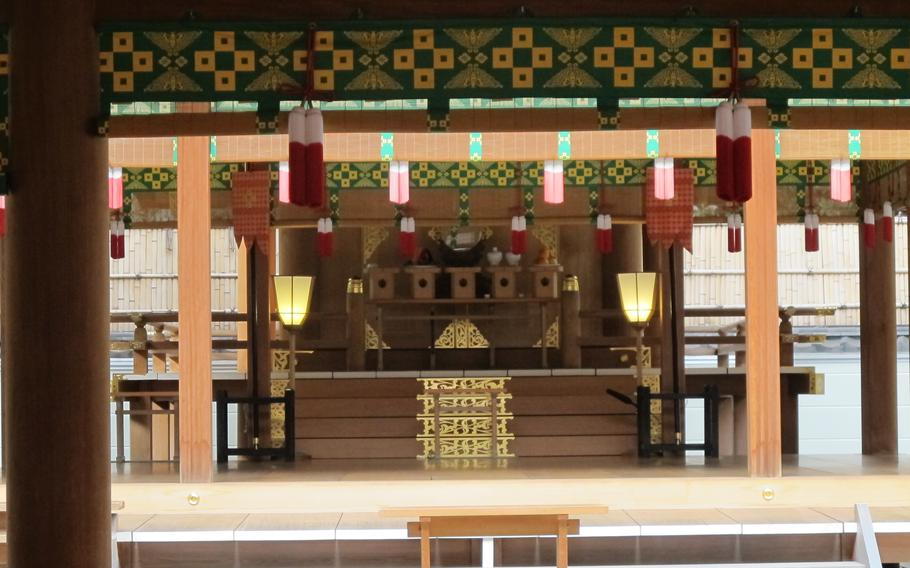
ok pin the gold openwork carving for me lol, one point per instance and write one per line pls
(372, 238)
(552, 335)
(548, 236)
(461, 334)
(471, 418)
(279, 360)
(371, 338)
(277, 411)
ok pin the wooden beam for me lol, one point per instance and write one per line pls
(763, 364)
(321, 10)
(194, 304)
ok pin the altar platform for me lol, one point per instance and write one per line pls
(339, 486)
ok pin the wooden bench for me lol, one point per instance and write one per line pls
(546, 520)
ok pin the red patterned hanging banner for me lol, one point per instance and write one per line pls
(670, 220)
(250, 207)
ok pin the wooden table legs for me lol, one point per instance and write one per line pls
(562, 542)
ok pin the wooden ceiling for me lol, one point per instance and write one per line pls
(213, 10)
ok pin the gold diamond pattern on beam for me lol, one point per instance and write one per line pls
(461, 334)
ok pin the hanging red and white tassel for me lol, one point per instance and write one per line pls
(407, 239)
(554, 183)
(738, 231)
(399, 182)
(887, 222)
(519, 234)
(734, 232)
(664, 182)
(723, 125)
(605, 233)
(742, 153)
(841, 180)
(118, 239)
(869, 228)
(315, 164)
(2, 215)
(325, 240)
(811, 223)
(284, 183)
(297, 179)
(115, 188)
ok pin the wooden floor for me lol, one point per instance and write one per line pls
(338, 486)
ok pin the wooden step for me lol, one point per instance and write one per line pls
(359, 448)
(564, 446)
(358, 407)
(359, 427)
(567, 404)
(594, 424)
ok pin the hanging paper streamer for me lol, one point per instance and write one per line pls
(2, 215)
(315, 164)
(297, 157)
(670, 221)
(664, 186)
(605, 233)
(115, 188)
(519, 234)
(811, 222)
(407, 239)
(887, 222)
(284, 183)
(869, 228)
(553, 182)
(399, 182)
(723, 124)
(742, 153)
(118, 239)
(841, 180)
(325, 241)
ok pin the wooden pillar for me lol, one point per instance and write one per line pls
(789, 403)
(570, 322)
(194, 305)
(668, 326)
(57, 346)
(762, 342)
(356, 310)
(261, 280)
(878, 337)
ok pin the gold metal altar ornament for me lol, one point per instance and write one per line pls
(355, 286)
(464, 418)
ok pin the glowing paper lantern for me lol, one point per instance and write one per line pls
(742, 153)
(723, 124)
(297, 157)
(553, 182)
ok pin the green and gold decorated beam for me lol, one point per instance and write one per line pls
(604, 59)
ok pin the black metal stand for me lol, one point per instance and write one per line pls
(221, 425)
(712, 436)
